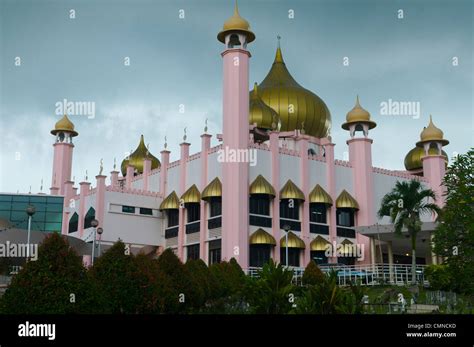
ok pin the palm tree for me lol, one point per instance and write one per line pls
(404, 205)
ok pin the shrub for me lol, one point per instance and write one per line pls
(439, 277)
(313, 274)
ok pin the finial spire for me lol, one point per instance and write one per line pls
(236, 9)
(278, 38)
(115, 163)
(41, 186)
(185, 136)
(205, 127)
(86, 177)
(166, 143)
(357, 101)
(278, 55)
(101, 166)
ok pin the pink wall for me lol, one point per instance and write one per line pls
(146, 173)
(114, 178)
(165, 160)
(84, 189)
(129, 177)
(235, 137)
(434, 169)
(62, 165)
(205, 145)
(275, 154)
(100, 199)
(304, 174)
(182, 189)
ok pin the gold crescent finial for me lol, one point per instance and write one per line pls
(205, 127)
(86, 176)
(101, 166)
(166, 143)
(185, 137)
(41, 186)
(115, 163)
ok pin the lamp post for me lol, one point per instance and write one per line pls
(94, 224)
(99, 231)
(30, 211)
(286, 227)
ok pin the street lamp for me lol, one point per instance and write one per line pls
(30, 211)
(286, 227)
(94, 224)
(100, 231)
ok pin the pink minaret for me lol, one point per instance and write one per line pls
(235, 36)
(62, 161)
(360, 158)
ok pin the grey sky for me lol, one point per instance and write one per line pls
(177, 61)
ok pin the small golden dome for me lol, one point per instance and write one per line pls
(136, 159)
(171, 202)
(64, 124)
(260, 186)
(213, 190)
(319, 196)
(191, 196)
(431, 133)
(413, 158)
(236, 23)
(293, 241)
(261, 237)
(319, 244)
(291, 191)
(345, 200)
(358, 115)
(294, 104)
(260, 113)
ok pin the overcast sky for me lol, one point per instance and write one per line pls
(176, 61)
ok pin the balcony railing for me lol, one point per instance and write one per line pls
(260, 221)
(171, 232)
(346, 232)
(319, 229)
(193, 227)
(214, 222)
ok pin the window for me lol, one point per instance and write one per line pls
(194, 212)
(293, 256)
(193, 252)
(90, 216)
(259, 204)
(319, 257)
(214, 252)
(345, 217)
(73, 223)
(317, 213)
(173, 217)
(216, 207)
(259, 255)
(146, 211)
(128, 209)
(290, 209)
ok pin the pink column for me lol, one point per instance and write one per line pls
(74, 189)
(275, 155)
(67, 196)
(85, 187)
(360, 157)
(146, 173)
(165, 160)
(114, 178)
(129, 177)
(235, 209)
(182, 189)
(100, 199)
(331, 190)
(205, 145)
(434, 169)
(54, 190)
(304, 173)
(62, 165)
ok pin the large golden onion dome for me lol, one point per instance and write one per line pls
(413, 158)
(431, 133)
(358, 115)
(297, 107)
(64, 124)
(260, 113)
(237, 24)
(136, 159)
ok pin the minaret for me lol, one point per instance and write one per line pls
(235, 36)
(62, 161)
(434, 165)
(360, 158)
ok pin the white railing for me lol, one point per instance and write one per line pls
(376, 274)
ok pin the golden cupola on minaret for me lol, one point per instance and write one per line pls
(136, 159)
(296, 106)
(358, 115)
(431, 133)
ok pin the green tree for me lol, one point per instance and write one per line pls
(201, 282)
(404, 205)
(55, 283)
(454, 235)
(312, 274)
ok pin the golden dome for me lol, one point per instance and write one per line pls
(319, 244)
(319, 196)
(236, 23)
(431, 133)
(213, 190)
(136, 159)
(260, 113)
(358, 115)
(171, 202)
(413, 158)
(293, 241)
(261, 237)
(261, 186)
(345, 200)
(291, 191)
(64, 124)
(191, 196)
(297, 107)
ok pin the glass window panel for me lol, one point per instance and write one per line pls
(5, 198)
(54, 208)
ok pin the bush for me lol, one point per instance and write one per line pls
(439, 277)
(313, 274)
(56, 283)
(201, 282)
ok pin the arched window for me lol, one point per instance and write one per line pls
(73, 223)
(234, 41)
(90, 216)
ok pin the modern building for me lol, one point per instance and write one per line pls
(274, 171)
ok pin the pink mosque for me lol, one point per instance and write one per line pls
(218, 203)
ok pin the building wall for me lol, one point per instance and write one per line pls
(343, 179)
(289, 169)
